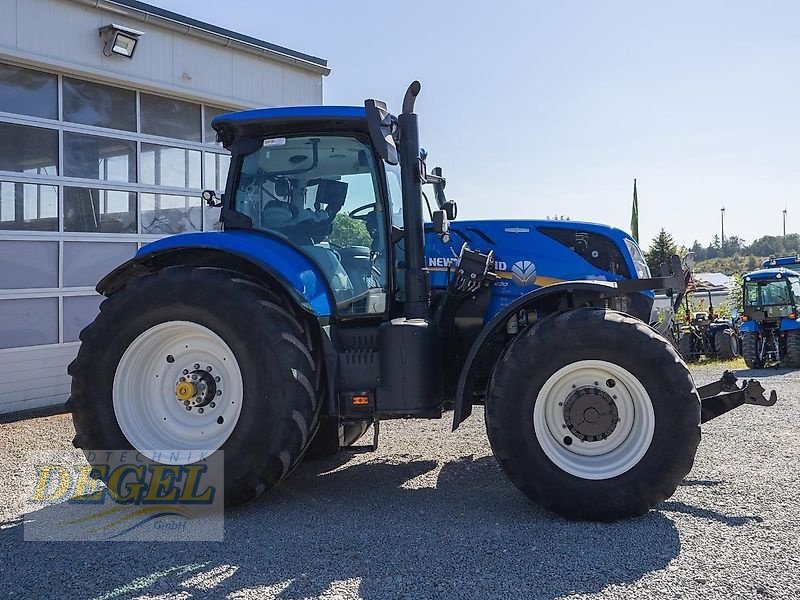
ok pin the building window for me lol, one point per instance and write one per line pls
(27, 92)
(211, 113)
(28, 264)
(28, 207)
(216, 171)
(85, 263)
(29, 150)
(99, 105)
(167, 117)
(100, 211)
(78, 312)
(172, 167)
(94, 157)
(167, 214)
(91, 196)
(28, 322)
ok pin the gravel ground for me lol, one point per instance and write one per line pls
(431, 515)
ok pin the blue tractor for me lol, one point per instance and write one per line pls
(769, 330)
(327, 305)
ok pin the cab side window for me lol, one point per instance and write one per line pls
(321, 194)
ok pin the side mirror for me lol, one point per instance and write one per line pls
(451, 209)
(210, 198)
(382, 126)
(441, 226)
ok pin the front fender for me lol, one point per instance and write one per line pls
(556, 297)
(295, 272)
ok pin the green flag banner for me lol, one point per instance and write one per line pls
(635, 214)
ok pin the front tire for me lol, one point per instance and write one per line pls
(593, 415)
(726, 344)
(245, 358)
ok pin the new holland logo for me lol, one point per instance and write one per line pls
(523, 272)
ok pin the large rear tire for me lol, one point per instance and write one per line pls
(726, 344)
(750, 351)
(792, 359)
(593, 415)
(232, 338)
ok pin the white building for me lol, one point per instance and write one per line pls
(101, 153)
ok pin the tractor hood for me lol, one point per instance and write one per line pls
(535, 253)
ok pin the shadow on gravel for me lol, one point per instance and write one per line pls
(710, 515)
(393, 528)
(756, 373)
(702, 482)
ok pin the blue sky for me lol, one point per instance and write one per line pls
(542, 108)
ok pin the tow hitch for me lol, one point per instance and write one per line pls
(724, 395)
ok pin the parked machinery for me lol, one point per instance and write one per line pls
(769, 330)
(706, 333)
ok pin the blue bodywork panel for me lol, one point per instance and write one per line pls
(280, 258)
(770, 274)
(293, 112)
(782, 261)
(526, 259)
(753, 327)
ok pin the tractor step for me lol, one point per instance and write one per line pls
(724, 395)
(361, 449)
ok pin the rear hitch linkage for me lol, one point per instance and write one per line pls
(724, 395)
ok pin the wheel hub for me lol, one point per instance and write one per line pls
(590, 414)
(196, 388)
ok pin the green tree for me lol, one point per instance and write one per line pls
(348, 231)
(661, 250)
(714, 249)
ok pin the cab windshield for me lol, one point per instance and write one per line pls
(774, 296)
(321, 193)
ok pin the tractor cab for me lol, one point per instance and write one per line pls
(771, 295)
(770, 331)
(322, 194)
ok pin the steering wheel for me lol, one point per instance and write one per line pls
(354, 213)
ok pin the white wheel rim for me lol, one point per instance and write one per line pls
(147, 407)
(624, 444)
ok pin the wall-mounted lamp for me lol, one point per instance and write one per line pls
(120, 40)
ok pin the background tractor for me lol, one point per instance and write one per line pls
(285, 334)
(705, 332)
(769, 330)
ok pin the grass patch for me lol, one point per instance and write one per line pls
(736, 363)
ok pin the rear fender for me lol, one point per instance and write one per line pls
(748, 327)
(267, 258)
(788, 324)
(491, 341)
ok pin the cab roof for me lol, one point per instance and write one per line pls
(771, 274)
(263, 121)
(286, 113)
(782, 261)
